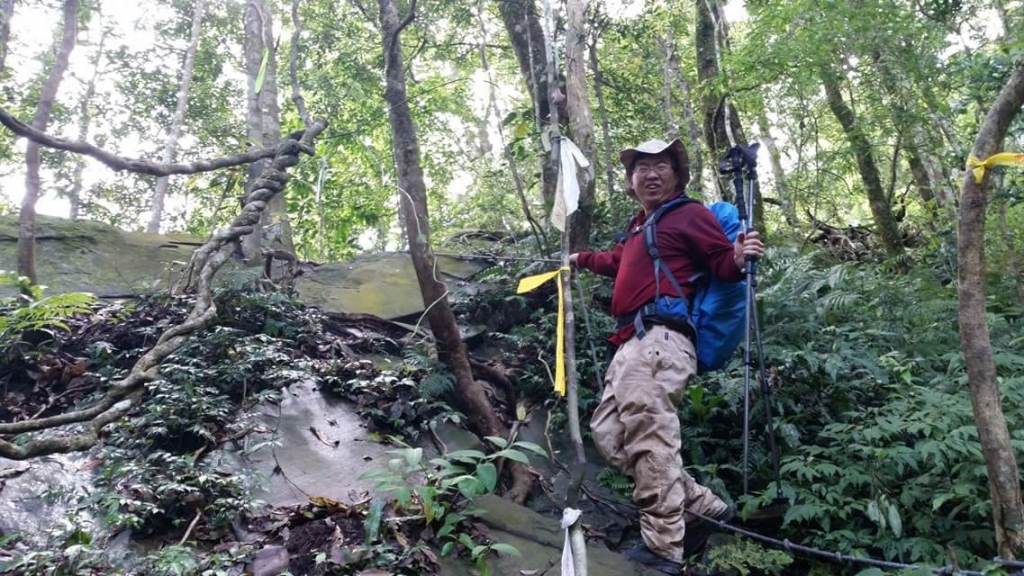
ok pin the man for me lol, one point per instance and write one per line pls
(636, 427)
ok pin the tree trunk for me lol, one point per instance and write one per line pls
(84, 123)
(696, 149)
(1004, 484)
(468, 396)
(922, 181)
(580, 122)
(722, 126)
(27, 217)
(5, 30)
(885, 223)
(602, 110)
(778, 173)
(263, 124)
(527, 36)
(178, 120)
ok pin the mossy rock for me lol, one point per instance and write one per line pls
(85, 256)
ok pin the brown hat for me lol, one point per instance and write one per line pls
(674, 148)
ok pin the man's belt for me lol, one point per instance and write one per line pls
(645, 316)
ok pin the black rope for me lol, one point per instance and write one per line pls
(846, 558)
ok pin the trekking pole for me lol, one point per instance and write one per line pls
(736, 161)
(754, 325)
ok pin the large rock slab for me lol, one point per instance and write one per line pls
(321, 449)
(384, 285)
(84, 256)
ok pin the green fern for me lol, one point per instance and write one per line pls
(436, 385)
(614, 480)
(32, 311)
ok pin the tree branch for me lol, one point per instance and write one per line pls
(401, 26)
(119, 163)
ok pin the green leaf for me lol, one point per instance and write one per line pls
(871, 572)
(373, 520)
(477, 551)
(497, 440)
(466, 541)
(447, 548)
(469, 488)
(531, 447)
(506, 549)
(512, 455)
(263, 70)
(487, 473)
(471, 456)
(895, 522)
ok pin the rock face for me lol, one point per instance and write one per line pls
(83, 256)
(322, 449)
(33, 493)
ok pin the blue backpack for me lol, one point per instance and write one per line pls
(718, 310)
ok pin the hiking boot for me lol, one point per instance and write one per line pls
(641, 554)
(698, 530)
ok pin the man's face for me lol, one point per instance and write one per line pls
(654, 181)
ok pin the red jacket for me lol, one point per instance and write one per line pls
(690, 242)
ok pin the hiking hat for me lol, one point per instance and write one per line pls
(675, 149)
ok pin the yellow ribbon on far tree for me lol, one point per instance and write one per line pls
(1001, 159)
(531, 283)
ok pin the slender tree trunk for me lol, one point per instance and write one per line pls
(1004, 482)
(580, 121)
(671, 128)
(264, 123)
(27, 217)
(538, 231)
(178, 120)
(527, 36)
(693, 131)
(885, 223)
(778, 173)
(602, 111)
(468, 396)
(6, 13)
(84, 123)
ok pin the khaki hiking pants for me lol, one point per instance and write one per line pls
(636, 430)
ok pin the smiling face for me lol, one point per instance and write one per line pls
(654, 179)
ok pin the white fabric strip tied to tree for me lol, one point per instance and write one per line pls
(574, 549)
(567, 193)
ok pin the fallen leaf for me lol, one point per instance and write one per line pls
(89, 465)
(521, 412)
(322, 437)
(528, 572)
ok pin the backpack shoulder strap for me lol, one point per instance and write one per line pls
(650, 230)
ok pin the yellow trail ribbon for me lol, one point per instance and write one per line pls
(531, 283)
(1001, 159)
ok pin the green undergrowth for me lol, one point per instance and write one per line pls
(154, 473)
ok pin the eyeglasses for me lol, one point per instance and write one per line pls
(660, 168)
